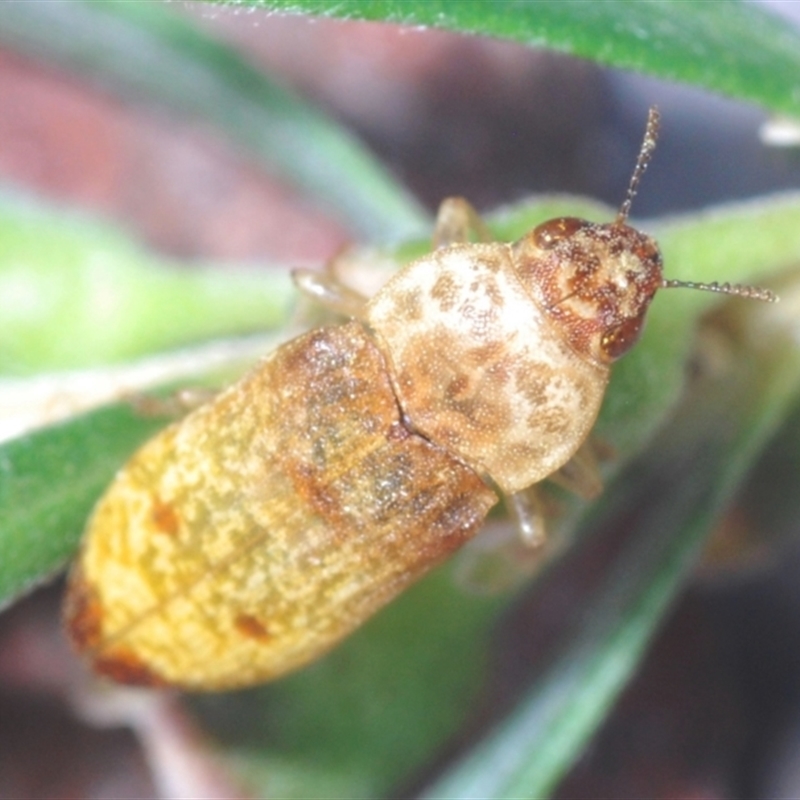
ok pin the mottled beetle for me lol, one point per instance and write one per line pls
(252, 536)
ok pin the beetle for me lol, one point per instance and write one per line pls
(250, 537)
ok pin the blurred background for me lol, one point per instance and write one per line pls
(714, 711)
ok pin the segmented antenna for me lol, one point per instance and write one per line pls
(645, 154)
(736, 289)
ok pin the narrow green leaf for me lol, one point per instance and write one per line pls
(76, 293)
(681, 488)
(49, 481)
(728, 46)
(147, 49)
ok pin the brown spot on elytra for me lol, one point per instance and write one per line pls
(164, 517)
(123, 666)
(312, 355)
(83, 613)
(312, 487)
(458, 517)
(452, 525)
(251, 627)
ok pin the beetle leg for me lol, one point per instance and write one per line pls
(457, 222)
(497, 561)
(328, 290)
(527, 510)
(581, 474)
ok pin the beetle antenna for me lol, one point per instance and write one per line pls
(736, 289)
(645, 154)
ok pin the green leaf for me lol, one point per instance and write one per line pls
(49, 482)
(728, 46)
(75, 293)
(348, 715)
(146, 49)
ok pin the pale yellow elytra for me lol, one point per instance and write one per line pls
(250, 537)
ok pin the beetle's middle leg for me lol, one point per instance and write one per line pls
(457, 222)
(499, 563)
(327, 289)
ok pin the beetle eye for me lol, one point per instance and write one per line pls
(619, 339)
(550, 233)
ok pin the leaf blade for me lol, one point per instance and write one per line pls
(701, 459)
(727, 46)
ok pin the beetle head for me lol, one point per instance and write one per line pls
(595, 281)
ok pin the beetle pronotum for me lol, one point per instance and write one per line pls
(250, 537)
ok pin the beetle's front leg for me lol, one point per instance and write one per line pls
(504, 556)
(581, 474)
(457, 222)
(527, 510)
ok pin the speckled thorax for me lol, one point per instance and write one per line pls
(481, 369)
